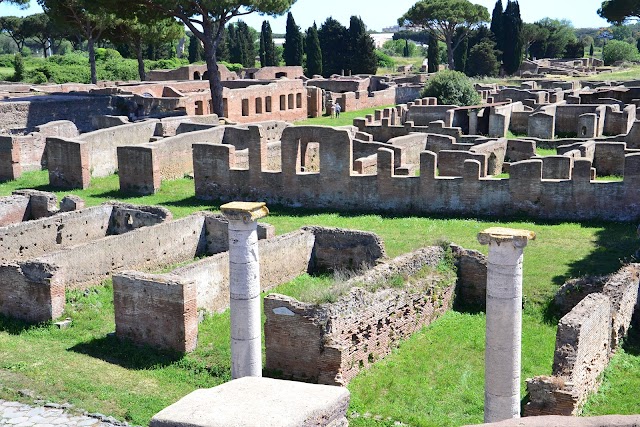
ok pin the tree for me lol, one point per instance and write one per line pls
(314, 53)
(532, 33)
(619, 11)
(361, 48)
(13, 27)
(90, 18)
(196, 51)
(452, 88)
(293, 49)
(496, 24)
(433, 54)
(267, 47)
(23, 4)
(444, 17)
(139, 31)
(241, 45)
(206, 19)
(405, 51)
(591, 49)
(512, 33)
(560, 33)
(617, 50)
(483, 60)
(39, 27)
(333, 42)
(461, 54)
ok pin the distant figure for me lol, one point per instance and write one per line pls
(338, 108)
(333, 111)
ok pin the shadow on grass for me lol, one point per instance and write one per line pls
(17, 327)
(631, 344)
(126, 354)
(193, 202)
(615, 245)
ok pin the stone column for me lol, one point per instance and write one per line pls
(504, 321)
(244, 287)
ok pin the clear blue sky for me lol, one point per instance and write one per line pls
(378, 13)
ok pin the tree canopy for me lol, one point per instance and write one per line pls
(314, 53)
(293, 49)
(206, 19)
(619, 11)
(443, 18)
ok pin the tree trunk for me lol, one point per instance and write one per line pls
(92, 60)
(450, 60)
(141, 72)
(215, 84)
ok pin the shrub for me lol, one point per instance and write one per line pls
(18, 67)
(617, 50)
(6, 60)
(36, 77)
(482, 60)
(118, 69)
(233, 67)
(384, 60)
(73, 58)
(452, 88)
(167, 64)
(105, 54)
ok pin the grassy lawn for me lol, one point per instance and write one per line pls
(433, 378)
(345, 119)
(546, 152)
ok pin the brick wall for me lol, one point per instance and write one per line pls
(336, 187)
(331, 343)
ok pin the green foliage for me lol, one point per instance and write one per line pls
(196, 51)
(242, 44)
(105, 54)
(267, 47)
(362, 58)
(232, 66)
(398, 48)
(617, 50)
(314, 53)
(293, 48)
(512, 45)
(482, 60)
(333, 42)
(384, 60)
(591, 49)
(444, 17)
(36, 77)
(461, 53)
(553, 39)
(452, 88)
(433, 56)
(73, 58)
(497, 24)
(574, 50)
(167, 64)
(18, 68)
(13, 26)
(619, 11)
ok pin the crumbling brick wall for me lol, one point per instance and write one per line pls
(330, 343)
(585, 342)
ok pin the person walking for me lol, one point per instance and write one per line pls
(338, 109)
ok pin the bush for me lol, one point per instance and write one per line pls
(384, 60)
(452, 88)
(103, 54)
(73, 58)
(617, 50)
(36, 77)
(6, 60)
(118, 69)
(233, 67)
(482, 60)
(167, 64)
(18, 67)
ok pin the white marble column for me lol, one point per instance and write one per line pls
(244, 287)
(504, 321)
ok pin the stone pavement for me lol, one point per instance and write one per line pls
(20, 415)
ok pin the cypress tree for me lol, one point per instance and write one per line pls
(512, 43)
(333, 42)
(293, 48)
(314, 53)
(497, 25)
(196, 51)
(461, 53)
(433, 54)
(362, 49)
(591, 48)
(222, 53)
(267, 47)
(405, 51)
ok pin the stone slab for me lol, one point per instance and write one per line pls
(254, 401)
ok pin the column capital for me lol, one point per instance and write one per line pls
(244, 211)
(498, 235)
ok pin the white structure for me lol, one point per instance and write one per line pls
(244, 287)
(504, 321)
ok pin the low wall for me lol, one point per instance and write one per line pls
(13, 209)
(73, 162)
(335, 185)
(331, 343)
(586, 339)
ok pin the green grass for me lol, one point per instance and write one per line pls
(345, 119)
(546, 152)
(434, 378)
(609, 178)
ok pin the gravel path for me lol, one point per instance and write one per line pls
(20, 415)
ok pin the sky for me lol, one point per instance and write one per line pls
(378, 14)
